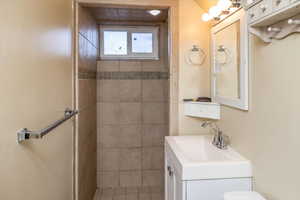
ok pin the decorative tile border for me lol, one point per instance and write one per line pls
(87, 75)
(132, 75)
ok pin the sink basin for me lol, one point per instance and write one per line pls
(196, 158)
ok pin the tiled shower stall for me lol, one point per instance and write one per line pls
(132, 102)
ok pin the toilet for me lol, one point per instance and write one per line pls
(243, 196)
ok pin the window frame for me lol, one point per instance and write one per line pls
(130, 30)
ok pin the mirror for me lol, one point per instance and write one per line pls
(230, 61)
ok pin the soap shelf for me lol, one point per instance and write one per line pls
(275, 24)
(206, 110)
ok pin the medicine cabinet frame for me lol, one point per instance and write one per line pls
(242, 101)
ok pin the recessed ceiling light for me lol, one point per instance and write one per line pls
(154, 12)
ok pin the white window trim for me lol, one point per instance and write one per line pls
(130, 55)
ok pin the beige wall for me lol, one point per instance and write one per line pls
(86, 95)
(268, 134)
(36, 87)
(194, 80)
(206, 4)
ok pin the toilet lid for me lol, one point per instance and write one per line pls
(243, 196)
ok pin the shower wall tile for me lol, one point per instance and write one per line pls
(130, 159)
(152, 178)
(130, 136)
(109, 179)
(108, 66)
(153, 158)
(119, 197)
(108, 90)
(109, 113)
(87, 90)
(153, 135)
(154, 90)
(133, 196)
(154, 66)
(130, 113)
(130, 90)
(134, 66)
(110, 159)
(145, 196)
(154, 113)
(109, 136)
(130, 178)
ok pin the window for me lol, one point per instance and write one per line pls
(123, 42)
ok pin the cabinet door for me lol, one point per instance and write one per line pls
(179, 191)
(169, 181)
(215, 189)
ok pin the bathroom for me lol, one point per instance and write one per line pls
(131, 117)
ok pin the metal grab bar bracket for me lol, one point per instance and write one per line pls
(26, 134)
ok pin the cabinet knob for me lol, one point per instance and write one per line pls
(170, 172)
(278, 2)
(294, 21)
(273, 29)
(252, 15)
(263, 8)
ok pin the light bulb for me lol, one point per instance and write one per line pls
(206, 17)
(233, 9)
(224, 4)
(214, 11)
(154, 12)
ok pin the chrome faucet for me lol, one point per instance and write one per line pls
(220, 140)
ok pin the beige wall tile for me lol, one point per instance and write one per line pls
(130, 136)
(130, 113)
(130, 90)
(153, 158)
(109, 113)
(157, 196)
(133, 196)
(110, 136)
(108, 90)
(109, 179)
(154, 90)
(110, 159)
(154, 135)
(86, 93)
(108, 66)
(154, 66)
(133, 66)
(130, 178)
(154, 113)
(145, 196)
(152, 178)
(132, 190)
(119, 197)
(119, 190)
(130, 159)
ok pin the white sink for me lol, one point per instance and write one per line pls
(196, 158)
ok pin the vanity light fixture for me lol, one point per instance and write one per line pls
(221, 10)
(154, 12)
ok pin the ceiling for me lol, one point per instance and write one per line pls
(103, 14)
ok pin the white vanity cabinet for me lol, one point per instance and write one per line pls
(183, 182)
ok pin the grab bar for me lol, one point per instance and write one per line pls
(25, 134)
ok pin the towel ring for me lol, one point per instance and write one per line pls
(195, 56)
